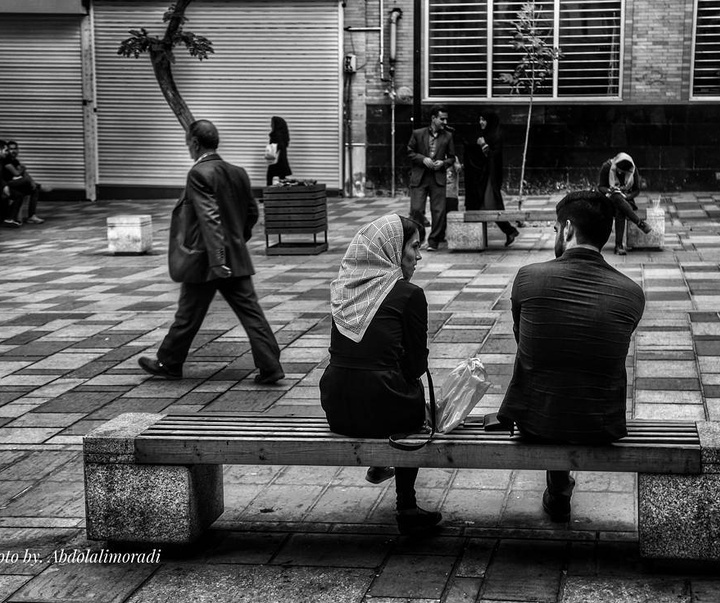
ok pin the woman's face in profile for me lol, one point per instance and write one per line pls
(410, 256)
(483, 123)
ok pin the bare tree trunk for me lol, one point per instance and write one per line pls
(164, 76)
(524, 156)
(162, 60)
(527, 138)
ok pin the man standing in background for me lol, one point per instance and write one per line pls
(432, 152)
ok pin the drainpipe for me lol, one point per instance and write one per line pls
(381, 30)
(395, 16)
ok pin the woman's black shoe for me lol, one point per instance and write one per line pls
(557, 507)
(378, 475)
(417, 521)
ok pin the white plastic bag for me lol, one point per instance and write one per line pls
(460, 392)
(272, 154)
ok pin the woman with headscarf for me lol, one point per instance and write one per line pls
(378, 350)
(280, 135)
(484, 171)
(619, 181)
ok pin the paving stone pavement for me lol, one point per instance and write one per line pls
(74, 319)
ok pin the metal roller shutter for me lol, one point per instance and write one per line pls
(272, 57)
(41, 95)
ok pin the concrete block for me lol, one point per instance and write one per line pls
(637, 239)
(679, 516)
(709, 433)
(114, 441)
(151, 503)
(464, 236)
(129, 234)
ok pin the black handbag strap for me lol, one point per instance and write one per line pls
(393, 440)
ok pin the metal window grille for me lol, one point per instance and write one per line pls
(469, 46)
(706, 54)
(457, 48)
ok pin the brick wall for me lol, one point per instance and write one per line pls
(658, 45)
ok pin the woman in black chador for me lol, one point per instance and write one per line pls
(280, 135)
(484, 171)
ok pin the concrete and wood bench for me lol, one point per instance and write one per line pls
(158, 478)
(467, 231)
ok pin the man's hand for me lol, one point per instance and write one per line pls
(439, 164)
(429, 163)
(221, 271)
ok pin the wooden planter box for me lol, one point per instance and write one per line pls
(295, 210)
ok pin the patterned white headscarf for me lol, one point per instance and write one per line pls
(629, 177)
(368, 272)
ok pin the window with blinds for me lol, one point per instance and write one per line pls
(504, 56)
(706, 55)
(457, 48)
(459, 57)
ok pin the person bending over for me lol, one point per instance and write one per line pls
(619, 181)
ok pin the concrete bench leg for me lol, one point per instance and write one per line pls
(151, 503)
(679, 515)
(129, 502)
(465, 236)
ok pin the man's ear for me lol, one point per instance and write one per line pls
(569, 230)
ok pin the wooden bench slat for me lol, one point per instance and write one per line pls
(260, 431)
(235, 418)
(510, 215)
(497, 454)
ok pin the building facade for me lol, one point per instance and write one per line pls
(352, 79)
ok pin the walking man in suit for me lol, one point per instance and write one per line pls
(432, 152)
(208, 233)
(573, 318)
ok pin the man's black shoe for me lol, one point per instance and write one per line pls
(264, 378)
(558, 508)
(158, 369)
(510, 238)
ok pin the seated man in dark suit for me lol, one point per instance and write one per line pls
(573, 318)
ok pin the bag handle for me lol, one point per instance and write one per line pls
(393, 439)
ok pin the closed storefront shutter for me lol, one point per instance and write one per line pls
(272, 57)
(41, 95)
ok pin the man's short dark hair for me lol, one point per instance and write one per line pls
(435, 109)
(591, 213)
(205, 132)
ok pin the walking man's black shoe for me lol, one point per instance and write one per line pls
(158, 369)
(263, 378)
